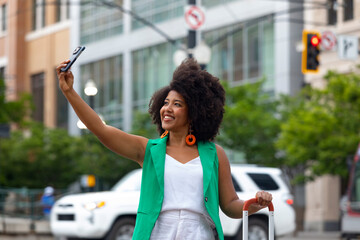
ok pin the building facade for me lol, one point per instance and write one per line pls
(341, 18)
(34, 38)
(129, 60)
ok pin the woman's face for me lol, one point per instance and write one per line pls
(174, 113)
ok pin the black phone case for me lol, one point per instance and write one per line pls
(73, 58)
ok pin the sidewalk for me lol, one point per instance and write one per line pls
(313, 236)
(20, 229)
(9, 225)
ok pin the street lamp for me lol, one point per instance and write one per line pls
(179, 56)
(91, 90)
(202, 53)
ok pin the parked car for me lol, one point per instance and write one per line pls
(111, 215)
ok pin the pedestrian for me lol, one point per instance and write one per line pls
(47, 201)
(185, 176)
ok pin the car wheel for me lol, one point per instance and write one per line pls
(123, 229)
(258, 230)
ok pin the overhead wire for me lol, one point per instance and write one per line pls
(247, 23)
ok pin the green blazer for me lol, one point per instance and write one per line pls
(152, 186)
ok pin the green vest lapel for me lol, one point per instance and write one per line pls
(207, 153)
(158, 153)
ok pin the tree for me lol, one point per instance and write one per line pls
(322, 127)
(13, 111)
(250, 123)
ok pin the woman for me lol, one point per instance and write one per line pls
(186, 177)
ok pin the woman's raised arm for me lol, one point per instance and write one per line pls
(127, 145)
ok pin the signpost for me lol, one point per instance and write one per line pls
(348, 47)
(328, 41)
(194, 17)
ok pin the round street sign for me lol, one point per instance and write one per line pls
(194, 17)
(328, 40)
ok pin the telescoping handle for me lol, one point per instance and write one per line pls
(246, 218)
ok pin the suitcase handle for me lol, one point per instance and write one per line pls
(246, 216)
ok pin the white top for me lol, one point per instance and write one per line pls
(183, 186)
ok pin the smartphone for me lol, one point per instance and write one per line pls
(73, 58)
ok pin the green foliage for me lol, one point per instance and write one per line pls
(250, 124)
(143, 126)
(41, 156)
(13, 111)
(322, 127)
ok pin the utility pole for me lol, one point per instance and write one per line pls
(191, 34)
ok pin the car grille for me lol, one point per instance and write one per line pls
(66, 217)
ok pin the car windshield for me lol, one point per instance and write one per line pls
(130, 182)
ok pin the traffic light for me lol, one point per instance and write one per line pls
(311, 52)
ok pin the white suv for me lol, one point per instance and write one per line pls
(111, 215)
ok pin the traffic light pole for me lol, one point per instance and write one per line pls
(191, 34)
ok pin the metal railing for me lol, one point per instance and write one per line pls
(24, 204)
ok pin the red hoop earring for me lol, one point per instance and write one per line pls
(164, 134)
(190, 139)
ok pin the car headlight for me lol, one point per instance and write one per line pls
(93, 205)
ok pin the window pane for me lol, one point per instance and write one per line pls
(107, 75)
(98, 21)
(62, 108)
(238, 56)
(37, 90)
(152, 69)
(348, 10)
(332, 14)
(264, 181)
(268, 65)
(4, 18)
(58, 10)
(253, 52)
(156, 11)
(33, 22)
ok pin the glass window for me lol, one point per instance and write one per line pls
(3, 19)
(37, 90)
(2, 73)
(213, 3)
(253, 57)
(62, 108)
(62, 10)
(38, 14)
(152, 69)
(107, 75)
(264, 181)
(268, 63)
(98, 21)
(58, 10)
(241, 54)
(348, 10)
(332, 13)
(238, 56)
(42, 5)
(33, 12)
(156, 11)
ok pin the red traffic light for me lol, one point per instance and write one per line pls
(315, 41)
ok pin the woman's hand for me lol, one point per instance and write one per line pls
(263, 200)
(66, 79)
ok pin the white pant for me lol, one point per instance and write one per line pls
(183, 225)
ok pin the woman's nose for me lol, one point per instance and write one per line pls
(168, 108)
